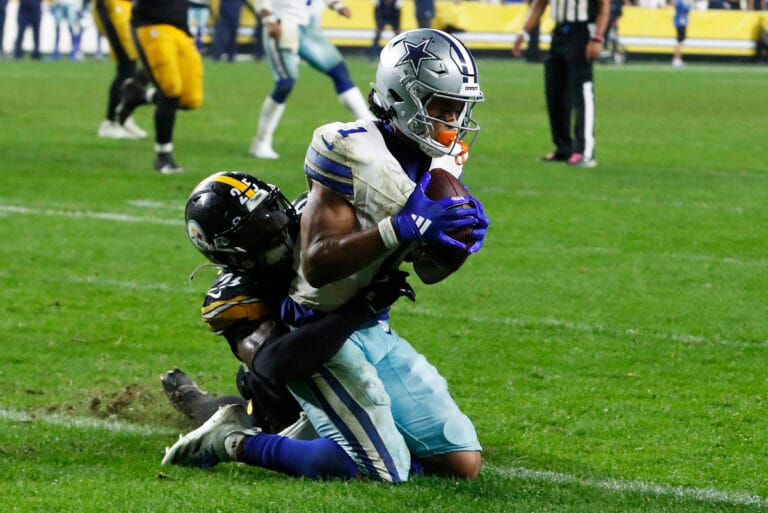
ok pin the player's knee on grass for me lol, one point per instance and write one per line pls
(459, 464)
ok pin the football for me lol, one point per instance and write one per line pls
(434, 261)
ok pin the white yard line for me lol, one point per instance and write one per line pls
(116, 426)
(541, 322)
(647, 488)
(149, 204)
(176, 206)
(716, 207)
(629, 486)
(86, 214)
(549, 322)
(605, 250)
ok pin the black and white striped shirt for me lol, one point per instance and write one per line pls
(573, 11)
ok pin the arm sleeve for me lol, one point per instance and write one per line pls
(301, 352)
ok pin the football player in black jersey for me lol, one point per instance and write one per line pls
(247, 228)
(112, 18)
(173, 63)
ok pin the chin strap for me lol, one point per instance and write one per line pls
(202, 266)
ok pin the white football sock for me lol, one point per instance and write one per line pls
(269, 118)
(164, 148)
(353, 100)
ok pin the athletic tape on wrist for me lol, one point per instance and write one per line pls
(388, 233)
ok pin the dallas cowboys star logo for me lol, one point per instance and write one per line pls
(415, 53)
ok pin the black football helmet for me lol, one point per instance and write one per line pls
(238, 221)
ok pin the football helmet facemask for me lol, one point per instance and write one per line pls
(238, 221)
(418, 67)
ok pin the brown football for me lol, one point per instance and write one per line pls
(434, 261)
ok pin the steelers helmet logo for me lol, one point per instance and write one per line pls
(197, 236)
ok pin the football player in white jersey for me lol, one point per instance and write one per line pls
(367, 207)
(291, 33)
(71, 12)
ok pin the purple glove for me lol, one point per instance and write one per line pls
(424, 219)
(480, 228)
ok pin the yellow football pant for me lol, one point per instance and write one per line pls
(173, 63)
(113, 19)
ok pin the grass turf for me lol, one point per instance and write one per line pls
(609, 341)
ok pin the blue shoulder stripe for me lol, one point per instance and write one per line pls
(328, 172)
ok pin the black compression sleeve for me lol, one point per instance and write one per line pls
(302, 351)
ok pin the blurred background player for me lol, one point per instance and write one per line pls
(385, 13)
(170, 58)
(577, 40)
(197, 19)
(611, 46)
(3, 5)
(225, 30)
(71, 12)
(682, 9)
(112, 19)
(425, 12)
(28, 16)
(289, 36)
(533, 50)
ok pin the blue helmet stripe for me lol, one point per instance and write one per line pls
(466, 59)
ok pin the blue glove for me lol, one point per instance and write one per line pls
(480, 228)
(424, 219)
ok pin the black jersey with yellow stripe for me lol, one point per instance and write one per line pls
(233, 300)
(160, 12)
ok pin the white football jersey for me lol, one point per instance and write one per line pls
(295, 12)
(352, 159)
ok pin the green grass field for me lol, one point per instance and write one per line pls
(609, 342)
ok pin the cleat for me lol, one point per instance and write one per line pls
(214, 442)
(112, 130)
(165, 164)
(186, 397)
(553, 156)
(579, 160)
(574, 159)
(132, 95)
(131, 127)
(262, 150)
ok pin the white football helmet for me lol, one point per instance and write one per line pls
(418, 66)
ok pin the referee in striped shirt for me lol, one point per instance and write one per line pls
(576, 42)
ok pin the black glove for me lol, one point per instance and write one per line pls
(386, 289)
